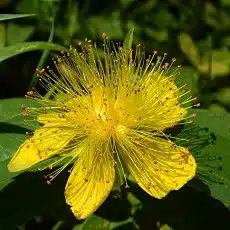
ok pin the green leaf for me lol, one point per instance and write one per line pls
(18, 33)
(189, 48)
(43, 58)
(4, 17)
(2, 35)
(111, 25)
(209, 141)
(217, 108)
(125, 3)
(13, 132)
(6, 177)
(217, 68)
(187, 78)
(165, 227)
(129, 40)
(223, 96)
(10, 51)
(217, 122)
(220, 62)
(225, 3)
(160, 35)
(11, 112)
(30, 196)
(94, 222)
(219, 170)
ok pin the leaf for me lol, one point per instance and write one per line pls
(94, 222)
(2, 35)
(189, 48)
(111, 25)
(4, 17)
(126, 3)
(19, 48)
(13, 132)
(223, 96)
(29, 195)
(219, 184)
(160, 35)
(43, 58)
(187, 78)
(217, 122)
(217, 68)
(220, 62)
(209, 141)
(217, 108)
(225, 3)
(129, 40)
(11, 112)
(18, 33)
(165, 227)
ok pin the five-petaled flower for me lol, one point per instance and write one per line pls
(108, 110)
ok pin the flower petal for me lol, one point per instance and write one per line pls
(159, 103)
(91, 180)
(51, 119)
(45, 143)
(158, 166)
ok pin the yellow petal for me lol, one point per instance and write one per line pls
(90, 181)
(51, 119)
(158, 166)
(164, 109)
(45, 143)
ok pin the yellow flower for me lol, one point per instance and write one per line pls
(109, 110)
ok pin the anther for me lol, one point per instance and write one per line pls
(104, 36)
(30, 93)
(159, 58)
(186, 87)
(50, 167)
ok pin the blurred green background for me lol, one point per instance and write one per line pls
(196, 32)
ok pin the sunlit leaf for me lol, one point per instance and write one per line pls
(129, 39)
(189, 48)
(4, 17)
(19, 48)
(223, 96)
(220, 62)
